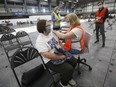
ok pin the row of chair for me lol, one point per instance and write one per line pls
(11, 42)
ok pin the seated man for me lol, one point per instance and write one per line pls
(48, 44)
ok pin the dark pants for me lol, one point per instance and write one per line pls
(66, 69)
(100, 27)
(75, 51)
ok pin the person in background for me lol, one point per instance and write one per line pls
(46, 44)
(74, 37)
(56, 18)
(101, 15)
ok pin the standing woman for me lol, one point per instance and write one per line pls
(74, 38)
(56, 18)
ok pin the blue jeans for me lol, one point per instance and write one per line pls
(75, 51)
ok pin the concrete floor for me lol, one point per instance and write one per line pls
(102, 61)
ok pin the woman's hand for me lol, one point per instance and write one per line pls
(63, 56)
(54, 31)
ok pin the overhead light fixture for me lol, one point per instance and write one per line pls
(45, 0)
(89, 4)
(44, 10)
(33, 10)
(77, 0)
(70, 1)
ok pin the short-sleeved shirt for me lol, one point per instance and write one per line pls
(47, 43)
(78, 34)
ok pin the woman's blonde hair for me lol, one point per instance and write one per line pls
(56, 8)
(73, 19)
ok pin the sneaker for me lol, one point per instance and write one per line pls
(64, 85)
(72, 82)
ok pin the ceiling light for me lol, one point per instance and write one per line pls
(44, 10)
(33, 10)
(77, 0)
(70, 1)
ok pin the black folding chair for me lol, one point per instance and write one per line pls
(9, 43)
(23, 38)
(36, 77)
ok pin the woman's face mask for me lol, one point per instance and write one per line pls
(68, 24)
(48, 29)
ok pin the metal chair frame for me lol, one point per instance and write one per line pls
(22, 34)
(20, 58)
(9, 42)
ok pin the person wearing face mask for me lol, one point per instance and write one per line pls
(74, 38)
(101, 15)
(56, 18)
(47, 43)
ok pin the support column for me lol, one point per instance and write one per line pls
(57, 2)
(25, 5)
(49, 5)
(39, 6)
(6, 6)
(70, 6)
(92, 6)
(86, 7)
(114, 6)
(65, 5)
